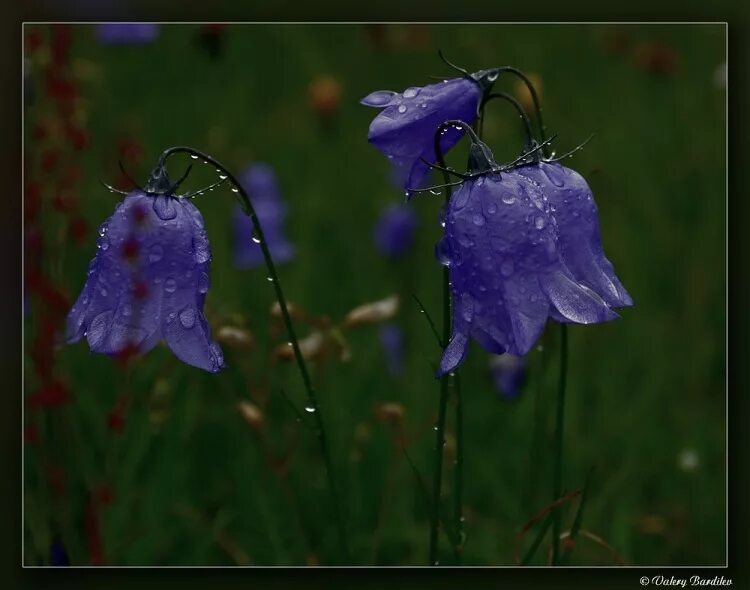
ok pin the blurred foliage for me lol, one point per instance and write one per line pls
(153, 462)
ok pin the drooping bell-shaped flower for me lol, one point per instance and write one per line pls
(394, 230)
(579, 241)
(508, 373)
(148, 280)
(404, 130)
(506, 269)
(261, 184)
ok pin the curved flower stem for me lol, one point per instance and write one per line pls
(459, 473)
(558, 458)
(445, 381)
(534, 98)
(312, 400)
(521, 113)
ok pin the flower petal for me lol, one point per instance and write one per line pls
(379, 99)
(575, 302)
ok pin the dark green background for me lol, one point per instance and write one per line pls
(641, 390)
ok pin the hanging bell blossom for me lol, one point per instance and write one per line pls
(394, 230)
(508, 373)
(579, 241)
(506, 269)
(127, 33)
(148, 280)
(261, 184)
(404, 130)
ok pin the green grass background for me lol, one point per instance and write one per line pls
(188, 473)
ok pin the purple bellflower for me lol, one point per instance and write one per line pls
(127, 33)
(577, 218)
(149, 278)
(260, 182)
(394, 230)
(508, 373)
(404, 130)
(507, 272)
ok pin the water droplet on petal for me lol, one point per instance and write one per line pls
(187, 318)
(203, 283)
(411, 92)
(170, 285)
(256, 240)
(539, 222)
(508, 198)
(402, 108)
(165, 208)
(478, 219)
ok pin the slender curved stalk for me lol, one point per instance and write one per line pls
(459, 473)
(534, 98)
(559, 423)
(444, 383)
(521, 113)
(312, 400)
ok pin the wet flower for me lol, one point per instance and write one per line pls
(507, 272)
(405, 128)
(261, 184)
(394, 230)
(148, 282)
(508, 373)
(392, 341)
(127, 33)
(572, 205)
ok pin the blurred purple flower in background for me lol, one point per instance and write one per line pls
(148, 281)
(392, 341)
(507, 267)
(508, 373)
(261, 184)
(127, 33)
(394, 230)
(58, 557)
(404, 130)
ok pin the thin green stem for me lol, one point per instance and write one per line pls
(444, 385)
(459, 473)
(558, 458)
(312, 400)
